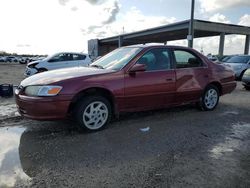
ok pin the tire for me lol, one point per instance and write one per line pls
(241, 75)
(210, 98)
(93, 113)
(247, 87)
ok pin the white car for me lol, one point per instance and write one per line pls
(58, 61)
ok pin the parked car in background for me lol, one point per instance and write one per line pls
(213, 58)
(2, 59)
(128, 79)
(246, 79)
(226, 58)
(57, 61)
(23, 60)
(239, 64)
(11, 59)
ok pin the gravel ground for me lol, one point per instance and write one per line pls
(177, 147)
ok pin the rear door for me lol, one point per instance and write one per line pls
(191, 76)
(153, 88)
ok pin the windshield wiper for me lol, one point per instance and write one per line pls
(97, 66)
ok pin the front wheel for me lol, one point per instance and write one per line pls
(210, 98)
(93, 113)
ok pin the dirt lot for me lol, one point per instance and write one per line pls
(177, 147)
(11, 72)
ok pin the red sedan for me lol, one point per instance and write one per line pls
(128, 79)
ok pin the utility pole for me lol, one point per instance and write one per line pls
(190, 36)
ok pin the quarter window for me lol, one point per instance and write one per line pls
(156, 59)
(186, 59)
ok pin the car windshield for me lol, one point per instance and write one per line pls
(117, 59)
(238, 59)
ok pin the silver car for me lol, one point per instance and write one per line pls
(239, 64)
(57, 61)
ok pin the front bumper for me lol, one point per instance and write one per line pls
(43, 108)
(246, 81)
(30, 71)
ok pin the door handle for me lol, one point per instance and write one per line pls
(169, 79)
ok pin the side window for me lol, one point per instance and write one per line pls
(67, 57)
(156, 59)
(78, 57)
(185, 59)
(61, 57)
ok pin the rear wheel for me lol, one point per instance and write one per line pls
(93, 113)
(210, 98)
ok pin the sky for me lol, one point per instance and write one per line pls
(49, 26)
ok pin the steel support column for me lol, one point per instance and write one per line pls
(221, 45)
(246, 50)
(191, 26)
(120, 41)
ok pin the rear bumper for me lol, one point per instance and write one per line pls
(41, 108)
(228, 87)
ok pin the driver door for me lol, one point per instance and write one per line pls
(153, 88)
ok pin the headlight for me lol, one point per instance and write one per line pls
(42, 90)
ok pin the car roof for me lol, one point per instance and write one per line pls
(157, 45)
(79, 53)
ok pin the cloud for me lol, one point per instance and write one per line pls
(112, 12)
(63, 2)
(245, 20)
(74, 8)
(93, 2)
(215, 5)
(106, 15)
(219, 18)
(134, 20)
(23, 45)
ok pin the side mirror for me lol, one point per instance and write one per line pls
(138, 68)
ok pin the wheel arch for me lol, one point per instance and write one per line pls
(42, 68)
(92, 92)
(218, 85)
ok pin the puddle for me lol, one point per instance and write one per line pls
(11, 173)
(229, 113)
(232, 141)
(8, 111)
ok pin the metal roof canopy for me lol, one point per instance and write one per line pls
(177, 31)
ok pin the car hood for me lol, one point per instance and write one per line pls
(50, 77)
(33, 62)
(235, 65)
